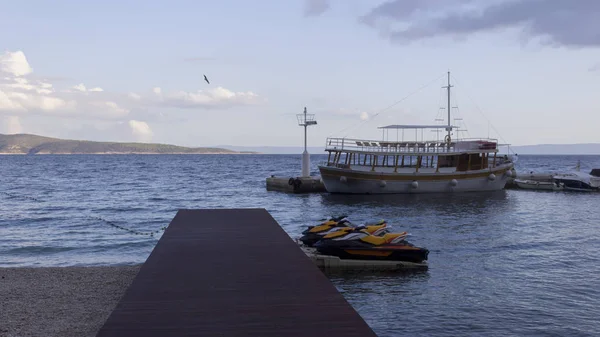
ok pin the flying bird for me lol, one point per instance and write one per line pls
(206, 79)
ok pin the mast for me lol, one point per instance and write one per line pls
(305, 119)
(448, 87)
(305, 126)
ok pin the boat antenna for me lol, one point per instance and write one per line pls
(449, 129)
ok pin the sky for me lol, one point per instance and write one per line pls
(523, 71)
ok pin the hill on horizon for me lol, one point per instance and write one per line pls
(34, 144)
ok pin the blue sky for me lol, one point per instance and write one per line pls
(531, 67)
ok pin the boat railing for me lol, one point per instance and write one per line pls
(332, 164)
(410, 147)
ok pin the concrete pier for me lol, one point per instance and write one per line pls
(296, 184)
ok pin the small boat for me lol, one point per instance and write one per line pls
(360, 245)
(561, 181)
(539, 185)
(578, 182)
(315, 233)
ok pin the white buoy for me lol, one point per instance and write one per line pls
(382, 183)
(453, 182)
(305, 120)
(415, 184)
(492, 177)
(343, 179)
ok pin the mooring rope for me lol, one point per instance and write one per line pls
(110, 223)
(103, 220)
(20, 196)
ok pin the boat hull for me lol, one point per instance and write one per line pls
(538, 185)
(345, 181)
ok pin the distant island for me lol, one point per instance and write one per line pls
(33, 145)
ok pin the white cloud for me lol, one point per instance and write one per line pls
(134, 96)
(14, 63)
(80, 87)
(349, 113)
(209, 98)
(7, 103)
(25, 94)
(141, 130)
(114, 107)
(23, 84)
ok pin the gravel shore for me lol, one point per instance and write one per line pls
(61, 301)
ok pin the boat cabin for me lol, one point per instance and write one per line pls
(415, 155)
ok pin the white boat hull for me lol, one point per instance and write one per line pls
(342, 181)
(538, 185)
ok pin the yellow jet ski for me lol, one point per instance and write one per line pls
(361, 245)
(314, 233)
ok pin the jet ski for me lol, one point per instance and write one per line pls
(360, 245)
(314, 233)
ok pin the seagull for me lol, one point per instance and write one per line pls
(206, 79)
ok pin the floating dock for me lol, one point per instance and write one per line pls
(231, 272)
(335, 264)
(296, 184)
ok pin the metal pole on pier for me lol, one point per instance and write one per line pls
(449, 129)
(305, 120)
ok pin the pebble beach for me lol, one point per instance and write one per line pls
(60, 301)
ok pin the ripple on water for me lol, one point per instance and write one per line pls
(514, 263)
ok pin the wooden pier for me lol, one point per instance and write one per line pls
(231, 272)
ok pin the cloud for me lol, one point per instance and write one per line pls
(11, 125)
(553, 22)
(21, 93)
(134, 96)
(78, 111)
(315, 7)
(346, 113)
(594, 68)
(14, 63)
(212, 98)
(141, 130)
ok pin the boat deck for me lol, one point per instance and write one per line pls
(231, 272)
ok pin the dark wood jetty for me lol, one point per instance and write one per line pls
(231, 272)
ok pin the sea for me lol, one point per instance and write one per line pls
(506, 263)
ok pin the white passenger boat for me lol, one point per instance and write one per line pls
(360, 166)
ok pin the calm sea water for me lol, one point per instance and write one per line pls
(508, 263)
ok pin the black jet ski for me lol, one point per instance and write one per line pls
(360, 245)
(314, 233)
